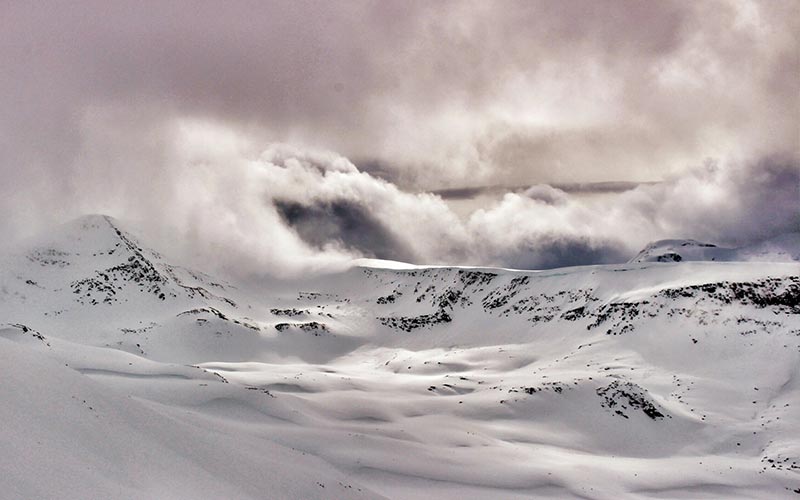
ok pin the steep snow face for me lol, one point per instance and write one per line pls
(134, 377)
(784, 248)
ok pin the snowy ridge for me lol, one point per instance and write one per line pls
(640, 380)
(784, 248)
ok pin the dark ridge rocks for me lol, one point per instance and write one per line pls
(33, 283)
(138, 331)
(198, 276)
(757, 325)
(780, 462)
(544, 307)
(141, 271)
(622, 314)
(428, 290)
(501, 296)
(574, 314)
(209, 310)
(49, 257)
(409, 323)
(448, 289)
(541, 307)
(288, 312)
(669, 257)
(780, 293)
(216, 312)
(556, 387)
(313, 327)
(313, 296)
(86, 289)
(260, 389)
(540, 318)
(389, 299)
(619, 397)
(451, 297)
(475, 278)
(621, 311)
(33, 333)
(455, 295)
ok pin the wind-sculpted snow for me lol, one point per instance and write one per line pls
(146, 379)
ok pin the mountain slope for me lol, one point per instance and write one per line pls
(642, 380)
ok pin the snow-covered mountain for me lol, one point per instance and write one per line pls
(126, 375)
(784, 248)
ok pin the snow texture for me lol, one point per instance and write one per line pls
(125, 375)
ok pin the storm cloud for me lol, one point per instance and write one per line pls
(346, 223)
(179, 113)
(289, 210)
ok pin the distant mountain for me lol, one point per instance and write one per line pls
(127, 375)
(784, 248)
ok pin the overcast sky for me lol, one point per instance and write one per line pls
(172, 112)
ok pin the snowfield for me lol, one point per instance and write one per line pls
(125, 375)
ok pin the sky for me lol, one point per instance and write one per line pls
(288, 136)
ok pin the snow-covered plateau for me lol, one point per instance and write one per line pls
(125, 375)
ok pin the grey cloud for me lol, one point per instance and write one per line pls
(159, 111)
(552, 251)
(289, 211)
(516, 92)
(346, 223)
(573, 187)
(729, 203)
(546, 194)
(463, 193)
(733, 204)
(600, 187)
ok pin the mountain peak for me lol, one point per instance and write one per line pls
(783, 248)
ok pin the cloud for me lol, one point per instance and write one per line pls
(345, 223)
(290, 210)
(284, 211)
(210, 197)
(160, 111)
(732, 203)
(430, 93)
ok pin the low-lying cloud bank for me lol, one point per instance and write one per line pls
(731, 203)
(288, 210)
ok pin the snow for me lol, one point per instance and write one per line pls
(783, 248)
(128, 376)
